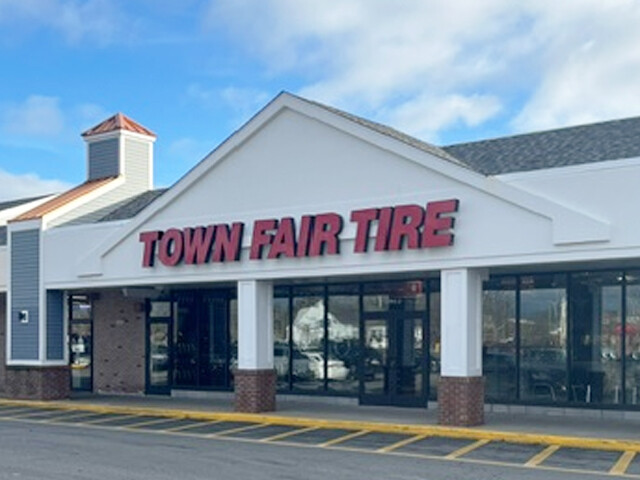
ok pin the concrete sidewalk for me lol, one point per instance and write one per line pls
(557, 422)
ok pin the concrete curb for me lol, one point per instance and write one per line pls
(608, 444)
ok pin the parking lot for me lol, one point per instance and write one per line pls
(610, 459)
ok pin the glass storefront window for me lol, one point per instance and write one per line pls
(434, 338)
(384, 296)
(308, 332)
(343, 323)
(80, 307)
(543, 338)
(499, 338)
(281, 340)
(233, 338)
(631, 332)
(596, 341)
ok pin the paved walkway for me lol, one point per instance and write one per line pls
(553, 422)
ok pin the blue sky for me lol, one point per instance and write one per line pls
(194, 70)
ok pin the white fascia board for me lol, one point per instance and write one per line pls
(569, 225)
(10, 213)
(370, 268)
(570, 170)
(22, 225)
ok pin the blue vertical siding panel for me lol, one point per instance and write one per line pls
(55, 325)
(25, 294)
(104, 159)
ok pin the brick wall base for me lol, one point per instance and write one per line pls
(118, 343)
(37, 383)
(461, 401)
(255, 391)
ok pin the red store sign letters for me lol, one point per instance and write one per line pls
(404, 226)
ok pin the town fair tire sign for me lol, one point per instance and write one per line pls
(401, 227)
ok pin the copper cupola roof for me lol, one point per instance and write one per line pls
(118, 122)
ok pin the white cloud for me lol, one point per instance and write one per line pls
(27, 185)
(543, 63)
(242, 101)
(76, 20)
(591, 64)
(37, 116)
(425, 116)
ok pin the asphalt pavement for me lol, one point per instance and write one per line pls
(35, 450)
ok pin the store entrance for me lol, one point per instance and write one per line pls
(394, 360)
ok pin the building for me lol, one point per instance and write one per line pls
(315, 252)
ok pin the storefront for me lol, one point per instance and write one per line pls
(317, 253)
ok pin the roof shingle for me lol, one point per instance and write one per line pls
(598, 142)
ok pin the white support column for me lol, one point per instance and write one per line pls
(255, 325)
(461, 386)
(461, 318)
(255, 378)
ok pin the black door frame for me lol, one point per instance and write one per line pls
(392, 398)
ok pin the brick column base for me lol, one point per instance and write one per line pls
(37, 383)
(461, 401)
(255, 390)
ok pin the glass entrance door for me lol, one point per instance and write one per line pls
(81, 342)
(394, 360)
(159, 360)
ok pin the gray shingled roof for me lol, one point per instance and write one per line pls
(134, 206)
(612, 140)
(15, 203)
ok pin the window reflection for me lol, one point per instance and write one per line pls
(543, 335)
(632, 339)
(596, 363)
(308, 338)
(281, 340)
(499, 333)
(343, 321)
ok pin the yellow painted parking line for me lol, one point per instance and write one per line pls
(464, 450)
(538, 458)
(113, 416)
(401, 443)
(623, 463)
(238, 429)
(194, 425)
(144, 423)
(66, 417)
(343, 438)
(12, 412)
(35, 415)
(292, 433)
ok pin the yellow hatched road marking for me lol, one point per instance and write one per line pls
(194, 425)
(538, 458)
(114, 416)
(288, 434)
(623, 463)
(236, 430)
(467, 449)
(14, 411)
(343, 438)
(35, 414)
(66, 417)
(145, 422)
(401, 443)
